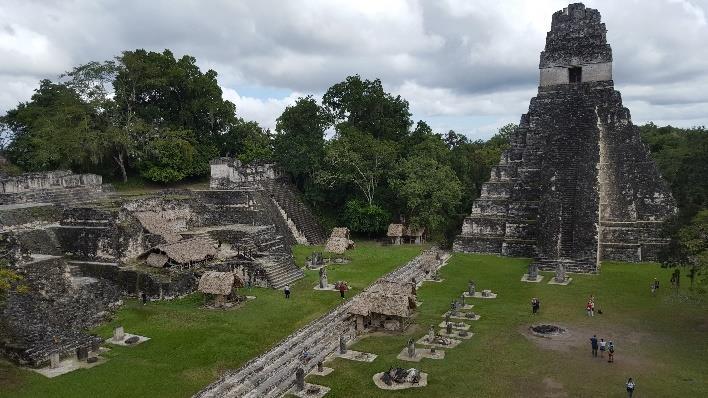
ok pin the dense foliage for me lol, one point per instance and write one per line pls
(144, 113)
(682, 158)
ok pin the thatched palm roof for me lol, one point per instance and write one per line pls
(214, 282)
(385, 298)
(160, 223)
(395, 230)
(338, 245)
(185, 251)
(414, 232)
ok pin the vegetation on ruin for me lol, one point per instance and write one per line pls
(191, 346)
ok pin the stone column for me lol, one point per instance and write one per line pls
(118, 334)
(300, 379)
(471, 288)
(411, 348)
(54, 360)
(320, 367)
(431, 333)
(448, 328)
(342, 345)
(323, 278)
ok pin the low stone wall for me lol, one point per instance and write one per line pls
(48, 180)
(131, 280)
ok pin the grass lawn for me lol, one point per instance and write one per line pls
(191, 346)
(661, 341)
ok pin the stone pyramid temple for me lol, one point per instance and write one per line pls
(577, 185)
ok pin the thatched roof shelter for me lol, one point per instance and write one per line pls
(156, 260)
(385, 298)
(339, 241)
(414, 232)
(214, 282)
(187, 251)
(395, 230)
(160, 223)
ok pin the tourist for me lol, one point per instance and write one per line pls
(652, 286)
(593, 345)
(630, 387)
(592, 307)
(535, 305)
(603, 346)
(342, 289)
(610, 352)
(286, 290)
(588, 308)
(143, 297)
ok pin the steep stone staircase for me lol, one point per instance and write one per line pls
(280, 269)
(284, 194)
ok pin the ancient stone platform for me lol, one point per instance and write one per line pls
(564, 283)
(357, 356)
(330, 288)
(455, 334)
(325, 371)
(461, 316)
(402, 386)
(321, 391)
(424, 341)
(455, 325)
(525, 278)
(66, 366)
(479, 295)
(420, 353)
(141, 339)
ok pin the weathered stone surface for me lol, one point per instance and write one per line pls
(575, 159)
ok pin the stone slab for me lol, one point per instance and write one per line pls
(66, 366)
(420, 353)
(461, 316)
(141, 339)
(479, 295)
(455, 325)
(455, 335)
(433, 280)
(303, 393)
(325, 371)
(424, 341)
(403, 386)
(357, 356)
(525, 278)
(566, 283)
(330, 287)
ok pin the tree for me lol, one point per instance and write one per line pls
(689, 247)
(298, 146)
(170, 157)
(358, 158)
(365, 106)
(56, 129)
(429, 189)
(365, 218)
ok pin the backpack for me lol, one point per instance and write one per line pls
(612, 349)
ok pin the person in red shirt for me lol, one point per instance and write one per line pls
(342, 289)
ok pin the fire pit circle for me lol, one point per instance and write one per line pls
(546, 330)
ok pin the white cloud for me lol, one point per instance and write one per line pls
(456, 61)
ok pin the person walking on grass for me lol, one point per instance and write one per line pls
(603, 346)
(535, 305)
(286, 290)
(593, 345)
(342, 289)
(610, 352)
(630, 387)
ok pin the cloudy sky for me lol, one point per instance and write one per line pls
(465, 65)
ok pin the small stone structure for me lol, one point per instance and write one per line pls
(577, 185)
(339, 241)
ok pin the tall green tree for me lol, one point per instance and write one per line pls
(429, 189)
(298, 145)
(56, 129)
(365, 106)
(359, 159)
